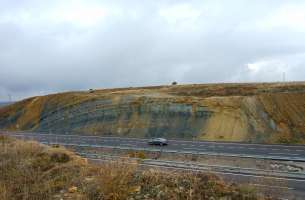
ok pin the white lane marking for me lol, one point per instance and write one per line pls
(131, 145)
(290, 154)
(271, 186)
(240, 144)
(192, 148)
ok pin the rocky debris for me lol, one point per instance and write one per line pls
(72, 189)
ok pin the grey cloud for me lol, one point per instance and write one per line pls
(136, 46)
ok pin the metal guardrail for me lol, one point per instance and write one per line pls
(177, 164)
(204, 167)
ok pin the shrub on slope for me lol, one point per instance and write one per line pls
(32, 171)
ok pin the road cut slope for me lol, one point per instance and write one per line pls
(256, 112)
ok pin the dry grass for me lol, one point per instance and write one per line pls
(30, 171)
(111, 181)
(137, 154)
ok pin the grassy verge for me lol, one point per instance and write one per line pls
(29, 170)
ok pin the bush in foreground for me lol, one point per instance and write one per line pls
(32, 171)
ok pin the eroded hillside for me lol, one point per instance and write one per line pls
(265, 112)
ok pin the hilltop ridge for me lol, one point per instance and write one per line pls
(251, 112)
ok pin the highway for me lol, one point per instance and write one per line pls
(277, 186)
(276, 152)
(289, 183)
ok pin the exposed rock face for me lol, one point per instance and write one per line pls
(233, 112)
(127, 115)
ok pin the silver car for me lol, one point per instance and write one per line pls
(158, 141)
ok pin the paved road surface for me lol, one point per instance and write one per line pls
(284, 152)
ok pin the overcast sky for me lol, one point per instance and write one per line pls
(58, 45)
